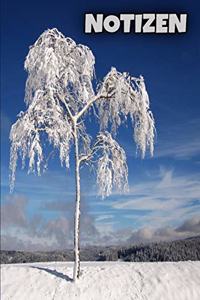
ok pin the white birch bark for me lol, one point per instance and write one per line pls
(77, 210)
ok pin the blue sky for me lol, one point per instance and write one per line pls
(164, 197)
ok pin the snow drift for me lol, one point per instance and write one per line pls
(102, 281)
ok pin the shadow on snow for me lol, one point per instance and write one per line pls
(55, 273)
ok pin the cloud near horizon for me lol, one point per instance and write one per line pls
(22, 232)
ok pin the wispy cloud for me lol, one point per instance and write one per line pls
(164, 199)
(180, 150)
(103, 218)
(180, 142)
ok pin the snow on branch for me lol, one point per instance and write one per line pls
(44, 118)
(112, 170)
(57, 62)
(59, 93)
(126, 95)
(59, 84)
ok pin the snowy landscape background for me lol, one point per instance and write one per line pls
(163, 203)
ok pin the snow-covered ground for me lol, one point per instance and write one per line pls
(102, 281)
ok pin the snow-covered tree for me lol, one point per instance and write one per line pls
(59, 94)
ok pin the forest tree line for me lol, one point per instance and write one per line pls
(180, 250)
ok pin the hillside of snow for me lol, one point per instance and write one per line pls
(102, 281)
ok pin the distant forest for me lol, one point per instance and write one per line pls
(188, 249)
(180, 250)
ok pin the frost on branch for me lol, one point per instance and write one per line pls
(84, 139)
(58, 63)
(59, 81)
(44, 118)
(59, 93)
(124, 95)
(112, 170)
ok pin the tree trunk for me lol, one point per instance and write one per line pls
(77, 211)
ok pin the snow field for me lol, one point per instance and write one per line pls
(102, 281)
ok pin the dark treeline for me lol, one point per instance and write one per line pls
(188, 249)
(88, 254)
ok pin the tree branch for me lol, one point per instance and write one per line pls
(68, 110)
(85, 108)
(87, 157)
(94, 99)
